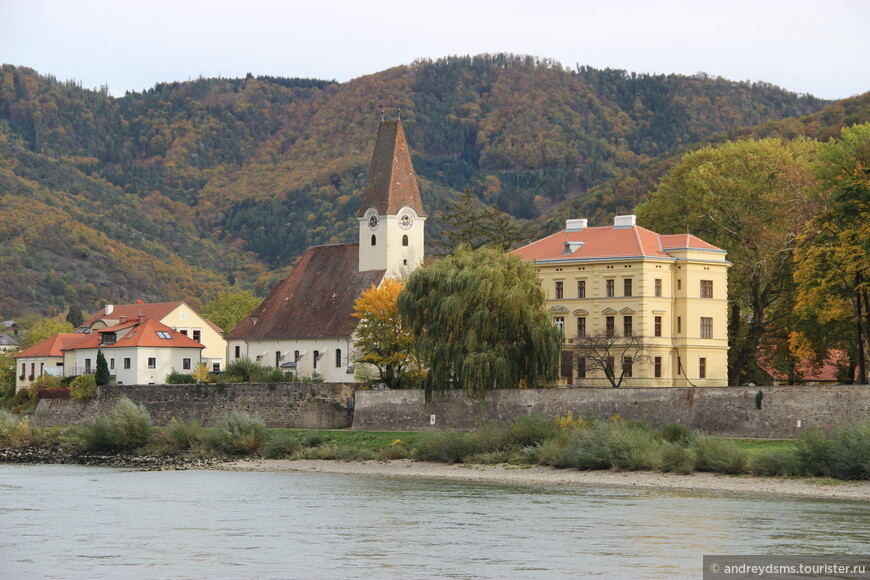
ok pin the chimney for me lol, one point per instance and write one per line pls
(624, 221)
(109, 309)
(576, 225)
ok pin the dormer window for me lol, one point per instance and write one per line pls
(164, 335)
(109, 338)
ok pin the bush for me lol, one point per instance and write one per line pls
(446, 447)
(588, 448)
(720, 455)
(13, 431)
(633, 446)
(850, 452)
(93, 436)
(83, 388)
(176, 378)
(239, 433)
(184, 435)
(677, 458)
(492, 436)
(778, 462)
(533, 430)
(130, 425)
(312, 439)
(281, 445)
(676, 433)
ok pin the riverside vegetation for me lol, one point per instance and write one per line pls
(590, 443)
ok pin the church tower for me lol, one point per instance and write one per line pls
(391, 215)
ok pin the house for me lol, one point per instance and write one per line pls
(43, 358)
(177, 315)
(7, 343)
(140, 351)
(668, 292)
(304, 325)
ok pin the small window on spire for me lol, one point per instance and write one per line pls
(405, 240)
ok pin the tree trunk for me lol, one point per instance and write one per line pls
(859, 308)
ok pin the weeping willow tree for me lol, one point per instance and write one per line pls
(479, 323)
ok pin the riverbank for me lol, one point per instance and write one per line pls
(536, 475)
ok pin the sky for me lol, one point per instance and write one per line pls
(820, 47)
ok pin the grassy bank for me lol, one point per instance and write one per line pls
(562, 442)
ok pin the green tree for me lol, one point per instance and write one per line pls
(75, 316)
(751, 198)
(42, 329)
(7, 374)
(833, 257)
(474, 225)
(101, 376)
(479, 323)
(228, 309)
(382, 340)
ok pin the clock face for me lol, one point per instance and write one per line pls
(406, 220)
(373, 221)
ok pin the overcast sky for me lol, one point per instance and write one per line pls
(821, 47)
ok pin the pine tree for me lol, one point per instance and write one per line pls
(102, 375)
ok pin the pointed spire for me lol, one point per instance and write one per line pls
(392, 183)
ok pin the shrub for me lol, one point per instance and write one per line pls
(633, 446)
(588, 448)
(850, 452)
(83, 388)
(533, 429)
(176, 378)
(779, 462)
(130, 425)
(239, 433)
(280, 445)
(676, 433)
(813, 452)
(677, 458)
(184, 435)
(312, 439)
(492, 436)
(13, 431)
(720, 455)
(446, 447)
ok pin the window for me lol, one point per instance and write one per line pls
(109, 338)
(626, 325)
(626, 287)
(679, 325)
(152, 362)
(112, 363)
(658, 287)
(197, 335)
(657, 365)
(216, 367)
(181, 330)
(702, 368)
(627, 364)
(609, 284)
(706, 327)
(658, 326)
(87, 367)
(405, 240)
(296, 356)
(126, 362)
(338, 356)
(238, 352)
(559, 321)
(581, 327)
(559, 291)
(185, 364)
(316, 356)
(581, 288)
(706, 288)
(679, 284)
(165, 335)
(278, 358)
(609, 325)
(581, 367)
(374, 240)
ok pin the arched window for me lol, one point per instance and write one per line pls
(338, 358)
(405, 240)
(374, 240)
(316, 356)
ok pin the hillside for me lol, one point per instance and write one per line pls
(219, 184)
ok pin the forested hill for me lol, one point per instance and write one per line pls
(190, 188)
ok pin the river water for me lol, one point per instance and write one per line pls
(62, 521)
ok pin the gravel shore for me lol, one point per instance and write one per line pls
(536, 475)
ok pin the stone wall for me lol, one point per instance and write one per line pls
(729, 411)
(279, 405)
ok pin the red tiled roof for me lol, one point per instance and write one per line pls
(137, 333)
(608, 242)
(315, 300)
(155, 310)
(53, 346)
(392, 183)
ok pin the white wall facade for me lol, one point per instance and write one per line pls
(334, 362)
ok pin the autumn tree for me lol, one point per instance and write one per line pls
(479, 323)
(42, 329)
(382, 340)
(833, 257)
(228, 309)
(612, 355)
(751, 198)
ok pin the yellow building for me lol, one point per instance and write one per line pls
(648, 310)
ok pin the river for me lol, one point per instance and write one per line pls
(64, 521)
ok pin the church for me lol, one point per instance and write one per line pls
(305, 324)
